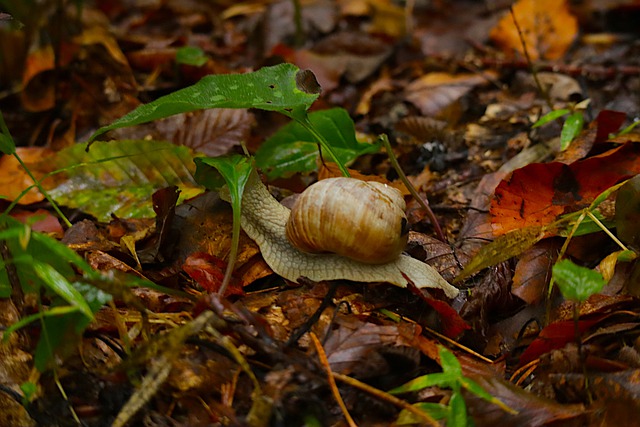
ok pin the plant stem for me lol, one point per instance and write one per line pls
(424, 202)
(326, 146)
(44, 192)
(386, 397)
(534, 72)
(606, 230)
(297, 18)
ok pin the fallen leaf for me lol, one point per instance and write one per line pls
(555, 336)
(533, 271)
(433, 92)
(14, 179)
(532, 410)
(38, 93)
(535, 195)
(547, 26)
(208, 272)
(40, 220)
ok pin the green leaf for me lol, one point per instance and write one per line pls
(549, 117)
(575, 282)
(475, 388)
(29, 390)
(235, 170)
(586, 226)
(58, 336)
(437, 411)
(457, 411)
(24, 321)
(449, 363)
(7, 145)
(295, 149)
(61, 286)
(629, 128)
(191, 55)
(571, 128)
(270, 88)
(119, 177)
(56, 249)
(441, 379)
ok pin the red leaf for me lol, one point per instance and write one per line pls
(538, 193)
(553, 337)
(608, 122)
(208, 272)
(452, 324)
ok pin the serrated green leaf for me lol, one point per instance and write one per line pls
(119, 177)
(549, 117)
(571, 128)
(270, 88)
(575, 282)
(61, 286)
(295, 149)
(191, 55)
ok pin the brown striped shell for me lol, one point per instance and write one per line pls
(364, 221)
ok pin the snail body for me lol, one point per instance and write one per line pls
(364, 221)
(265, 222)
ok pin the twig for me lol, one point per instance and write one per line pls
(332, 382)
(543, 92)
(387, 397)
(424, 202)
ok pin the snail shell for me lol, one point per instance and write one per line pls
(364, 221)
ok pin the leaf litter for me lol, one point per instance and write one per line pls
(451, 84)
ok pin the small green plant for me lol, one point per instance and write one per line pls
(573, 124)
(282, 88)
(191, 55)
(576, 283)
(451, 377)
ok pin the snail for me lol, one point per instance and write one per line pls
(265, 221)
(360, 220)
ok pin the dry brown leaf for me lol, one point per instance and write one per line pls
(547, 27)
(433, 92)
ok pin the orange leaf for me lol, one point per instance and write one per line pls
(537, 194)
(547, 26)
(14, 179)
